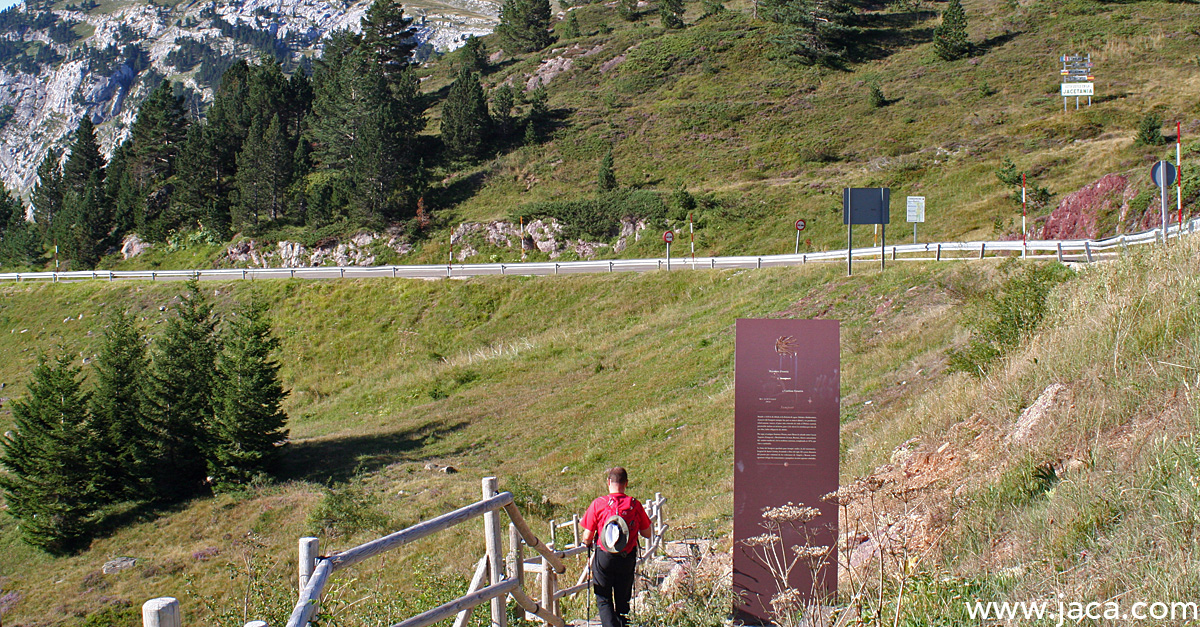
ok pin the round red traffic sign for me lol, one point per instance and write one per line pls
(669, 236)
(800, 224)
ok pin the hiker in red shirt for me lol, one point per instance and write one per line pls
(614, 522)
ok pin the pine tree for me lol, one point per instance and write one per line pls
(950, 37)
(607, 178)
(627, 9)
(50, 486)
(248, 423)
(474, 55)
(503, 101)
(264, 172)
(364, 131)
(539, 112)
(158, 134)
(465, 120)
(84, 160)
(177, 399)
(525, 25)
(816, 30)
(388, 37)
(198, 190)
(671, 13)
(116, 409)
(570, 28)
(47, 196)
(18, 238)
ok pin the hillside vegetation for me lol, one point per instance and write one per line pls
(545, 382)
(720, 109)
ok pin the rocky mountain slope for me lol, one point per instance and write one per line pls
(59, 62)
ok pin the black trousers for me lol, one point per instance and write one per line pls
(612, 581)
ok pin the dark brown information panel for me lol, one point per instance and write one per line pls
(786, 429)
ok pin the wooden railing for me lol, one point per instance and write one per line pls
(497, 576)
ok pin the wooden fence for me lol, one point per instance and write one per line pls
(497, 576)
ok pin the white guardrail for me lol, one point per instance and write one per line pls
(1079, 250)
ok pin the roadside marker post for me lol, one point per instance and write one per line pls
(692, 234)
(1163, 174)
(1024, 231)
(1179, 172)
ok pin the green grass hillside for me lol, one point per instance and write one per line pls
(766, 141)
(761, 140)
(545, 382)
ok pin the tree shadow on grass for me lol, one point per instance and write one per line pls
(334, 459)
(991, 43)
(457, 191)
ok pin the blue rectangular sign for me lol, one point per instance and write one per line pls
(866, 205)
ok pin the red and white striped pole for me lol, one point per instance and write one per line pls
(1024, 238)
(692, 232)
(1179, 173)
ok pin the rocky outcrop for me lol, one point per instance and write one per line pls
(358, 250)
(1078, 215)
(132, 246)
(542, 235)
(48, 104)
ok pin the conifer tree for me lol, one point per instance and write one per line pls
(248, 423)
(177, 399)
(264, 172)
(47, 196)
(18, 238)
(671, 13)
(157, 136)
(570, 29)
(198, 191)
(525, 25)
(474, 55)
(816, 31)
(950, 37)
(503, 101)
(627, 9)
(124, 195)
(388, 37)
(84, 160)
(465, 120)
(116, 410)
(50, 486)
(535, 118)
(607, 179)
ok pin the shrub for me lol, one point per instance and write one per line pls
(346, 510)
(950, 37)
(876, 97)
(1008, 317)
(1150, 131)
(599, 217)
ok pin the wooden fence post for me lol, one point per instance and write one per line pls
(491, 532)
(309, 549)
(516, 555)
(161, 612)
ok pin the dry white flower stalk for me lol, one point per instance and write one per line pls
(766, 539)
(790, 513)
